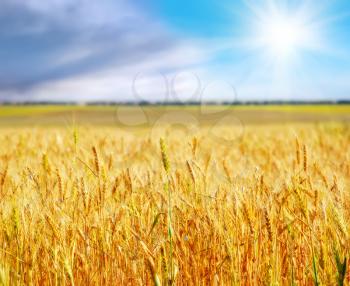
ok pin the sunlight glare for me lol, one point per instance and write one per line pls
(282, 37)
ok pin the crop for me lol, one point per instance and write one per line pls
(102, 206)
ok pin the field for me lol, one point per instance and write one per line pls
(147, 116)
(101, 196)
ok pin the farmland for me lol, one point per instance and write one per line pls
(174, 196)
(53, 115)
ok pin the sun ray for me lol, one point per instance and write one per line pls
(282, 33)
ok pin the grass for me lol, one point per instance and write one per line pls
(33, 110)
(147, 116)
(100, 205)
(307, 108)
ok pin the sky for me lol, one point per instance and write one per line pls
(156, 50)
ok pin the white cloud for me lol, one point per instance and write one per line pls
(90, 51)
(115, 83)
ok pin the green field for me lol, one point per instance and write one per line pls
(141, 115)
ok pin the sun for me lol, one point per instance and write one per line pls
(283, 35)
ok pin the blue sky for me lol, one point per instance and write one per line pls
(174, 50)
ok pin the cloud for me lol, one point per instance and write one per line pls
(147, 79)
(83, 50)
(69, 14)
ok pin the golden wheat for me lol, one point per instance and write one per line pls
(141, 210)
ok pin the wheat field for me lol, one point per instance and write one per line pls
(103, 206)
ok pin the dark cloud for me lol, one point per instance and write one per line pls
(39, 44)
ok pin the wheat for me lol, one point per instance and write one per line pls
(297, 148)
(305, 158)
(165, 158)
(60, 184)
(191, 172)
(268, 225)
(140, 219)
(3, 177)
(227, 171)
(248, 218)
(194, 146)
(96, 161)
(115, 185)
